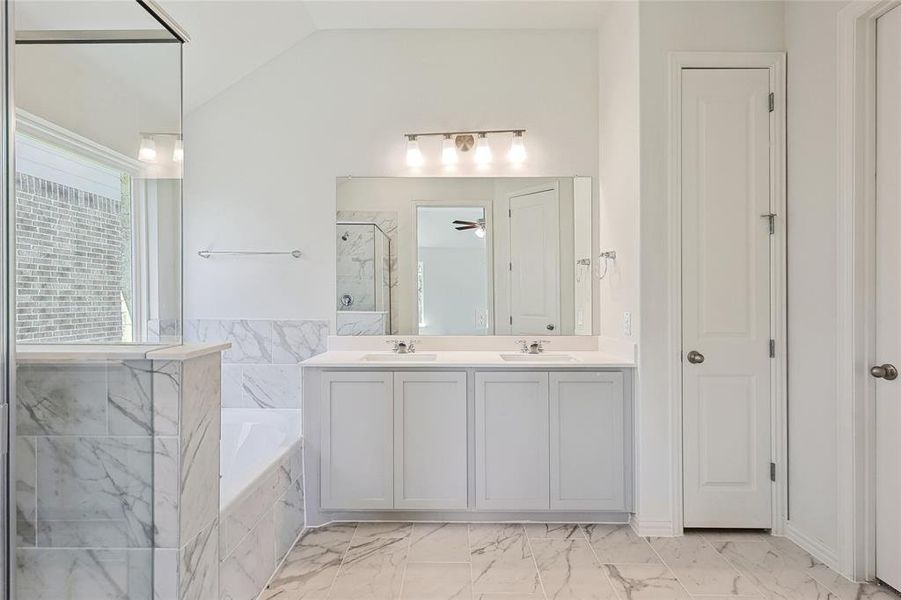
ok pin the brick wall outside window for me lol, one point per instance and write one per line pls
(70, 251)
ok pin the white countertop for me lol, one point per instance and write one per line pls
(465, 359)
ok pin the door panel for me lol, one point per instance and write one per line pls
(511, 421)
(535, 266)
(888, 296)
(586, 441)
(430, 440)
(357, 462)
(726, 297)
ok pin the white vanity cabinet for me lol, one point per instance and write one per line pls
(468, 443)
(430, 441)
(587, 441)
(512, 453)
(357, 440)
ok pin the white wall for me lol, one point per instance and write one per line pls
(667, 27)
(618, 175)
(810, 35)
(264, 154)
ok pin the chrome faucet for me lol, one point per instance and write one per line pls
(402, 347)
(534, 348)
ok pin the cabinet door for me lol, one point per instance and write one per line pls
(357, 469)
(511, 420)
(430, 440)
(587, 441)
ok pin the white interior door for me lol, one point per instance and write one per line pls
(888, 297)
(535, 263)
(726, 297)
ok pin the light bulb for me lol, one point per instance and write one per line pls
(414, 155)
(178, 151)
(517, 153)
(147, 151)
(480, 232)
(483, 150)
(449, 151)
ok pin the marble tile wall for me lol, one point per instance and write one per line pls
(259, 527)
(261, 368)
(361, 323)
(117, 469)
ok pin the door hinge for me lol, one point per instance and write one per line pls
(772, 348)
(772, 471)
(509, 212)
(511, 320)
(772, 101)
(4, 429)
(510, 265)
(771, 221)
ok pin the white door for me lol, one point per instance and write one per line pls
(586, 441)
(888, 297)
(430, 440)
(357, 460)
(534, 263)
(511, 420)
(726, 298)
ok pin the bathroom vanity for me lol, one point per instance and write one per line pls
(467, 435)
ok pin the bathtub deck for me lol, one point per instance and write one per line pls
(431, 561)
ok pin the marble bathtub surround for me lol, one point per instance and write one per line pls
(564, 562)
(258, 527)
(261, 368)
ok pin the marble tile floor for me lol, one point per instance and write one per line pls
(533, 561)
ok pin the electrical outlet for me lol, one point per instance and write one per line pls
(627, 324)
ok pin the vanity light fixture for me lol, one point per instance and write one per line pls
(483, 150)
(147, 151)
(455, 142)
(449, 151)
(414, 154)
(178, 151)
(517, 153)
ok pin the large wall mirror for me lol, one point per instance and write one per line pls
(463, 256)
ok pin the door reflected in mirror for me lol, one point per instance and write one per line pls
(464, 256)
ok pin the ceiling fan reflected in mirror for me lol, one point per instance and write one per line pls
(477, 227)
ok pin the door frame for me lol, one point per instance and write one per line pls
(485, 205)
(856, 289)
(507, 301)
(775, 63)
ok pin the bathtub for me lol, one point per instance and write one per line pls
(260, 496)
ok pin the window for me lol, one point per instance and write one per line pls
(75, 239)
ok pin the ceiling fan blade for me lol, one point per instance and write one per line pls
(466, 227)
(459, 222)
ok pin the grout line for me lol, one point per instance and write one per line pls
(597, 560)
(472, 582)
(341, 565)
(750, 576)
(669, 568)
(534, 561)
(403, 577)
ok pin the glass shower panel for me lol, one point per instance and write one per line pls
(364, 280)
(98, 212)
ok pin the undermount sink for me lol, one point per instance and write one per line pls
(390, 356)
(539, 358)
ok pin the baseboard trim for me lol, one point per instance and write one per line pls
(652, 528)
(813, 547)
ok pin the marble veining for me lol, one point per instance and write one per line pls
(556, 561)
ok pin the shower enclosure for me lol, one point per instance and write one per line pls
(92, 184)
(364, 279)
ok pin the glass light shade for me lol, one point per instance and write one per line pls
(449, 151)
(147, 151)
(517, 153)
(178, 151)
(414, 154)
(480, 232)
(483, 150)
